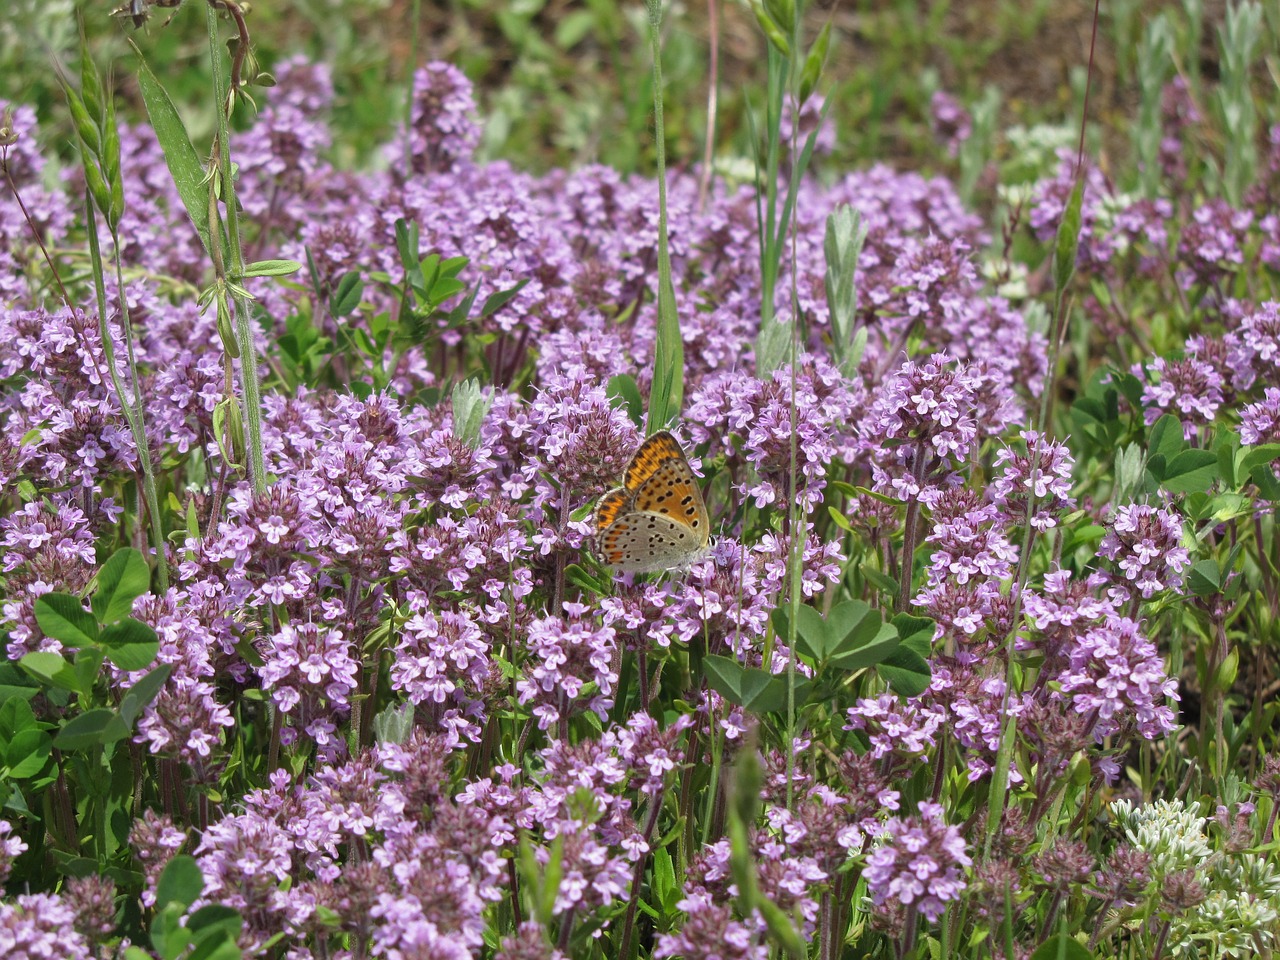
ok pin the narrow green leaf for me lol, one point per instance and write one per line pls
(496, 301)
(1067, 242)
(179, 155)
(623, 391)
(272, 268)
(138, 697)
(123, 578)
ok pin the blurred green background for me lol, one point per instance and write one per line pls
(567, 82)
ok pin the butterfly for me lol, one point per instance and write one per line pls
(656, 520)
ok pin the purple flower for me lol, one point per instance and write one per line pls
(310, 671)
(155, 841)
(1211, 248)
(922, 426)
(1145, 542)
(565, 655)
(1260, 422)
(10, 847)
(920, 863)
(895, 727)
(442, 663)
(444, 129)
(1049, 483)
(1190, 389)
(41, 926)
(1116, 674)
(950, 121)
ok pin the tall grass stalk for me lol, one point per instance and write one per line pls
(93, 111)
(667, 391)
(231, 292)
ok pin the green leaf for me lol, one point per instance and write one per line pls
(915, 632)
(1205, 578)
(1263, 454)
(86, 666)
(27, 753)
(905, 669)
(14, 684)
(122, 579)
(180, 883)
(393, 723)
(666, 390)
(1264, 478)
(347, 296)
(26, 747)
(858, 636)
(90, 729)
(573, 28)
(1191, 471)
(407, 246)
(665, 889)
(623, 392)
(215, 920)
(62, 617)
(1067, 241)
(219, 946)
(496, 301)
(168, 935)
(1165, 438)
(179, 155)
(138, 697)
(131, 645)
(812, 636)
(839, 519)
(748, 687)
(51, 668)
(1061, 947)
(271, 268)
(724, 674)
(886, 584)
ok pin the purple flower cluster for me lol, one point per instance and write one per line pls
(919, 863)
(442, 571)
(1145, 543)
(570, 668)
(925, 422)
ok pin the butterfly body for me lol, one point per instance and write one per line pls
(657, 519)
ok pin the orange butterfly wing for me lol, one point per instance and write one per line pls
(653, 453)
(611, 506)
(673, 492)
